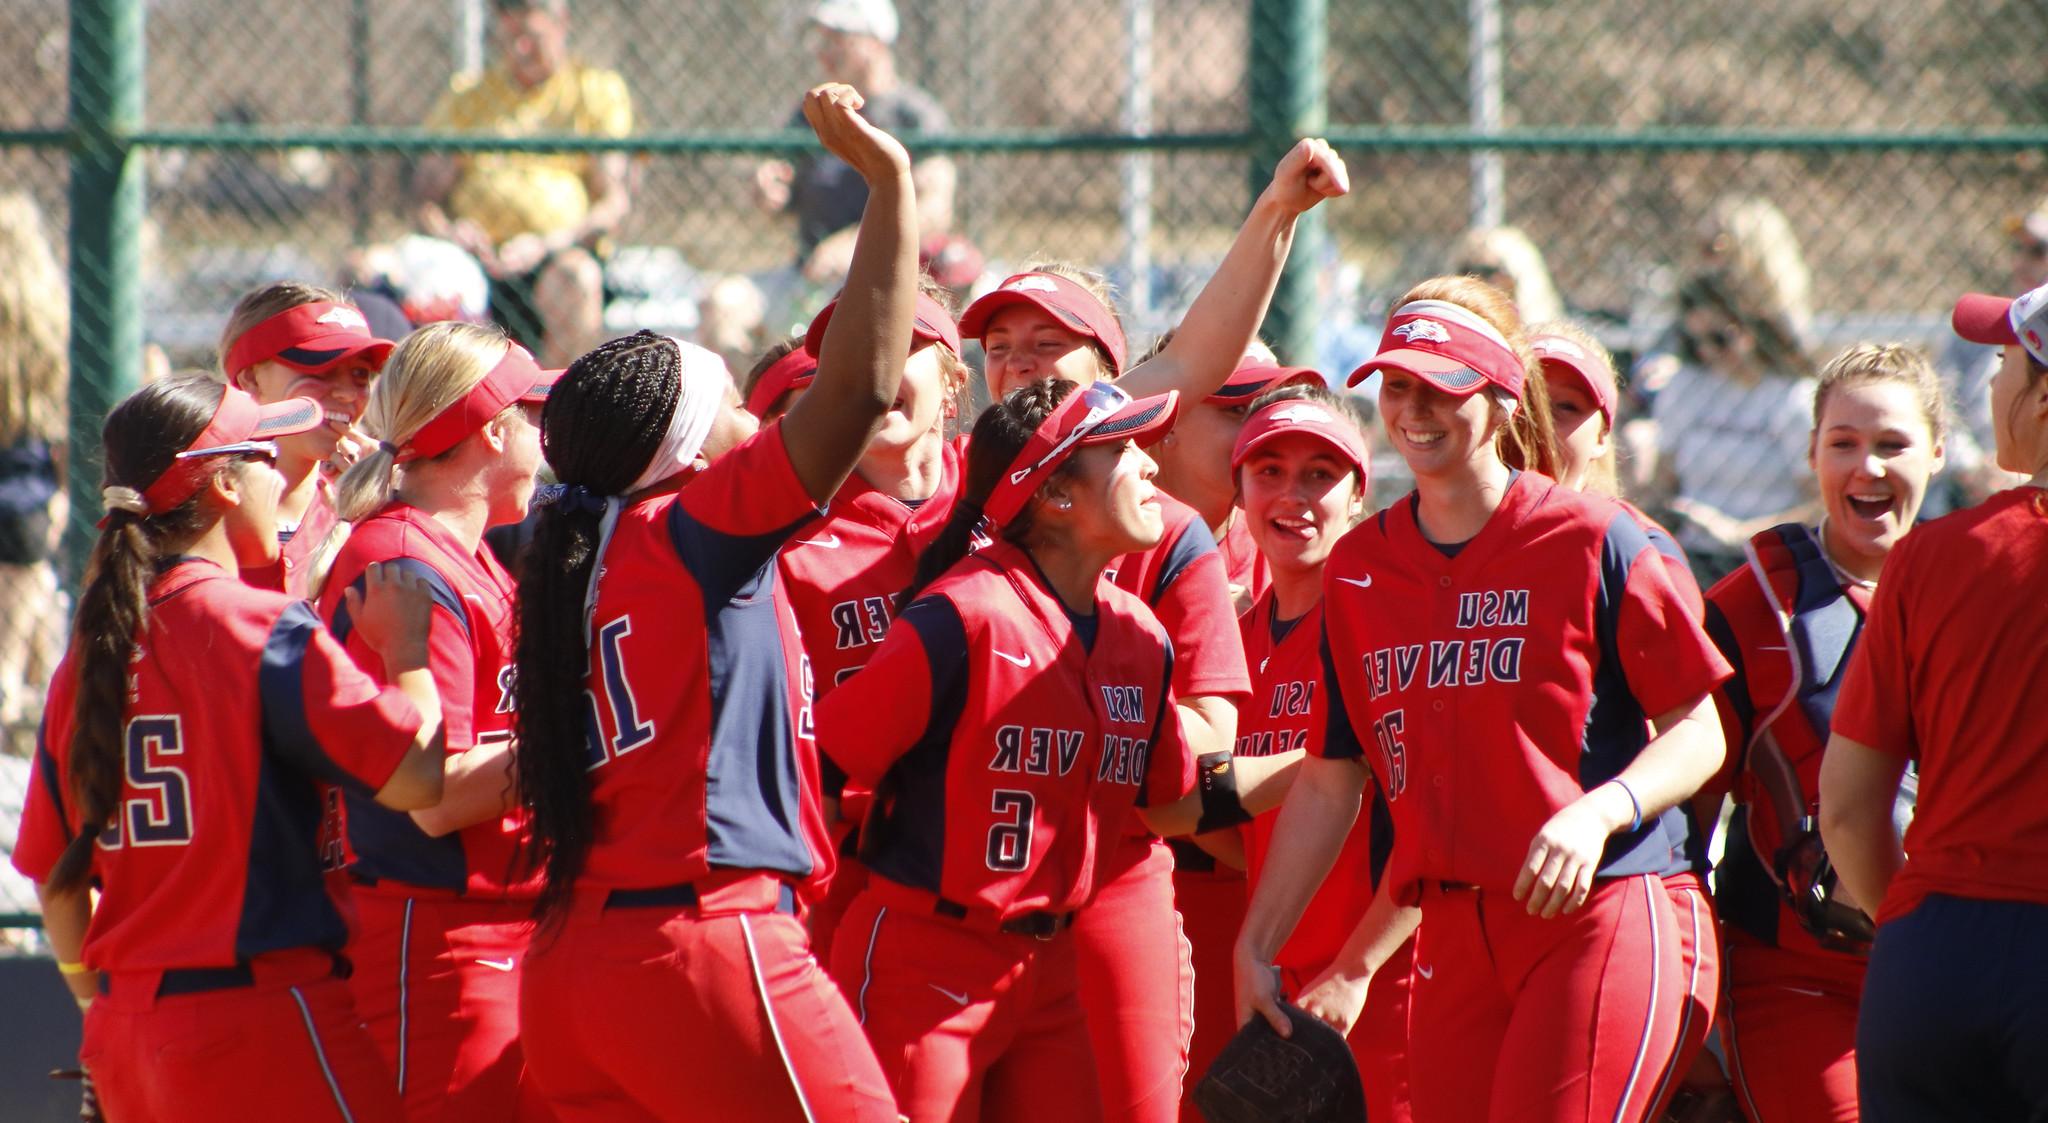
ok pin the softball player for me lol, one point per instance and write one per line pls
(1534, 809)
(1301, 466)
(779, 378)
(663, 731)
(1796, 951)
(1950, 1025)
(292, 340)
(440, 915)
(175, 775)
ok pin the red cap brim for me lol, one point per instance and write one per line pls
(1145, 421)
(1602, 396)
(542, 386)
(929, 323)
(286, 418)
(312, 356)
(1983, 318)
(1445, 373)
(1248, 382)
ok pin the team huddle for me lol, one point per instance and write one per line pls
(831, 754)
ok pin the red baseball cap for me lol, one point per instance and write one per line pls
(1252, 378)
(1555, 352)
(516, 378)
(793, 371)
(239, 424)
(308, 337)
(1448, 346)
(1096, 414)
(1983, 318)
(1300, 417)
(930, 323)
(1066, 301)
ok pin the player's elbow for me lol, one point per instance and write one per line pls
(416, 783)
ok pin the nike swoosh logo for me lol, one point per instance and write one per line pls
(1362, 582)
(958, 998)
(829, 542)
(1803, 990)
(505, 964)
(1425, 972)
(1020, 660)
(1263, 662)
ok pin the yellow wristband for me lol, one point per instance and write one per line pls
(69, 969)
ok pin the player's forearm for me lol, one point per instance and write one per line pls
(1310, 834)
(476, 787)
(1225, 317)
(1686, 753)
(1381, 931)
(1858, 786)
(416, 783)
(66, 913)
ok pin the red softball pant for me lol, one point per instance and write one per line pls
(1699, 945)
(968, 1024)
(1791, 1029)
(287, 1046)
(1211, 904)
(714, 1011)
(1567, 1020)
(1137, 984)
(436, 980)
(1379, 1039)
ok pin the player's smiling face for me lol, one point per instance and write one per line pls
(252, 519)
(1581, 431)
(1114, 505)
(1299, 497)
(1435, 432)
(342, 391)
(1025, 344)
(1873, 454)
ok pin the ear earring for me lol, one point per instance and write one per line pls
(1064, 504)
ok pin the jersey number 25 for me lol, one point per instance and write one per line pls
(156, 797)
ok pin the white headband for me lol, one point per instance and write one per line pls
(1463, 317)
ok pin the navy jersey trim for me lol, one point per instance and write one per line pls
(1194, 541)
(725, 566)
(1744, 894)
(46, 763)
(1380, 844)
(284, 894)
(1616, 727)
(1158, 725)
(280, 688)
(438, 587)
(905, 835)
(1736, 689)
(1340, 740)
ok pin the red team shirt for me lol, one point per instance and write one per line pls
(469, 646)
(698, 686)
(1286, 713)
(1498, 685)
(1001, 786)
(1941, 676)
(213, 860)
(1243, 565)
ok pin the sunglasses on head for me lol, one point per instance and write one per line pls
(265, 449)
(1103, 400)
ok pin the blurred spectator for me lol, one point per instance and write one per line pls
(853, 41)
(1748, 236)
(537, 222)
(34, 333)
(1966, 368)
(1505, 258)
(731, 319)
(430, 279)
(1732, 423)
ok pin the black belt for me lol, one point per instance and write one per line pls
(1037, 925)
(683, 895)
(199, 980)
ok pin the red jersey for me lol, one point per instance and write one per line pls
(698, 685)
(1675, 562)
(238, 702)
(1243, 565)
(1006, 744)
(1182, 581)
(1949, 658)
(1502, 679)
(1286, 713)
(295, 547)
(469, 646)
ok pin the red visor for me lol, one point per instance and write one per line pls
(1066, 301)
(1296, 417)
(308, 338)
(793, 371)
(1981, 318)
(1097, 414)
(1446, 346)
(1252, 378)
(238, 419)
(1555, 352)
(929, 324)
(516, 378)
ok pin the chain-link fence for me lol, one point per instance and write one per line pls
(1855, 163)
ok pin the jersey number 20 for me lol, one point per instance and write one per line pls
(156, 803)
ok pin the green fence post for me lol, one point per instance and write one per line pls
(1289, 100)
(106, 217)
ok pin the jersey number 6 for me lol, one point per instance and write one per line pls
(1009, 841)
(159, 812)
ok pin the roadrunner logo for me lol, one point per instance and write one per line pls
(344, 317)
(1423, 331)
(1032, 284)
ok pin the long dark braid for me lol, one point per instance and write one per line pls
(1000, 433)
(602, 423)
(142, 437)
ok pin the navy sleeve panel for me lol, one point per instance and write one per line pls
(437, 586)
(724, 565)
(1194, 541)
(1664, 544)
(1616, 726)
(1158, 724)
(904, 838)
(46, 767)
(1382, 840)
(284, 900)
(1736, 689)
(280, 685)
(1340, 740)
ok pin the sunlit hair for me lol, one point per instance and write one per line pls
(262, 304)
(1508, 247)
(1868, 363)
(35, 327)
(1603, 475)
(1526, 440)
(428, 371)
